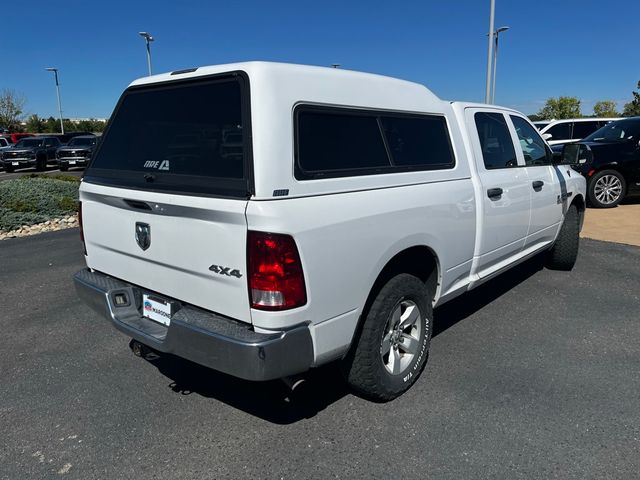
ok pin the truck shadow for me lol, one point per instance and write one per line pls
(277, 403)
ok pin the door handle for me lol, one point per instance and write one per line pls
(494, 192)
(537, 185)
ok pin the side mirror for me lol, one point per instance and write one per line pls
(577, 155)
(547, 136)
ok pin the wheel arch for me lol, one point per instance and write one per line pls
(581, 205)
(418, 260)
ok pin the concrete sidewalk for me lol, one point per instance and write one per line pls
(620, 224)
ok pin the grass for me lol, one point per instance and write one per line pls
(37, 198)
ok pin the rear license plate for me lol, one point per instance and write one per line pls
(72, 162)
(156, 309)
(15, 163)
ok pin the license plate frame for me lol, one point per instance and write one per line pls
(157, 309)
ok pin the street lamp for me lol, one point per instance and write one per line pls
(147, 39)
(55, 72)
(487, 94)
(495, 60)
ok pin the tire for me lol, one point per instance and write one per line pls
(606, 189)
(9, 169)
(41, 164)
(564, 252)
(374, 373)
(64, 168)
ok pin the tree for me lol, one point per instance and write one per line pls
(535, 117)
(632, 108)
(561, 107)
(35, 124)
(605, 108)
(11, 109)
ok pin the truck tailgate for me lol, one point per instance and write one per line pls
(197, 248)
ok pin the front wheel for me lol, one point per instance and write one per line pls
(606, 189)
(64, 168)
(9, 169)
(393, 346)
(564, 253)
(41, 164)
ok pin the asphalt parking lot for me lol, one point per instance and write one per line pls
(534, 375)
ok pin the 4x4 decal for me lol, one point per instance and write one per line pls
(225, 271)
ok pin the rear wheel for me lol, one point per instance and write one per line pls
(606, 189)
(393, 347)
(564, 253)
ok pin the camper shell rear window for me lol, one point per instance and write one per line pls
(188, 137)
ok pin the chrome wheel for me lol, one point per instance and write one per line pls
(608, 189)
(401, 341)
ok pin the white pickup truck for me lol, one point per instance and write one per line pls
(263, 219)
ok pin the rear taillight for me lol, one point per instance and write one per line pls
(275, 275)
(84, 245)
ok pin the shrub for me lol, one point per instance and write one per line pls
(34, 199)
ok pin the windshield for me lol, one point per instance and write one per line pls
(186, 137)
(540, 125)
(619, 131)
(29, 143)
(81, 141)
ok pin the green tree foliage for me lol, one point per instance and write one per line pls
(559, 108)
(632, 108)
(605, 108)
(11, 109)
(535, 117)
(35, 124)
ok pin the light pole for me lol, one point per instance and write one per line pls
(487, 94)
(495, 61)
(147, 39)
(55, 73)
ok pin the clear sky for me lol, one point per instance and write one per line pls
(585, 48)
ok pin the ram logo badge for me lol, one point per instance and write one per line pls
(143, 235)
(225, 271)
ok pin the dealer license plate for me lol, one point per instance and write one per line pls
(72, 162)
(15, 163)
(156, 309)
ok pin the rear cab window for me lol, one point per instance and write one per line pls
(190, 137)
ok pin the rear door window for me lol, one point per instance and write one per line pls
(495, 141)
(186, 137)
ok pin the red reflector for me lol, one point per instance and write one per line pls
(590, 172)
(275, 275)
(84, 245)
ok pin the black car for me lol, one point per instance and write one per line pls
(30, 152)
(77, 153)
(614, 172)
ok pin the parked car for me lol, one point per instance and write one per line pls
(77, 153)
(560, 132)
(613, 171)
(353, 204)
(4, 145)
(30, 152)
